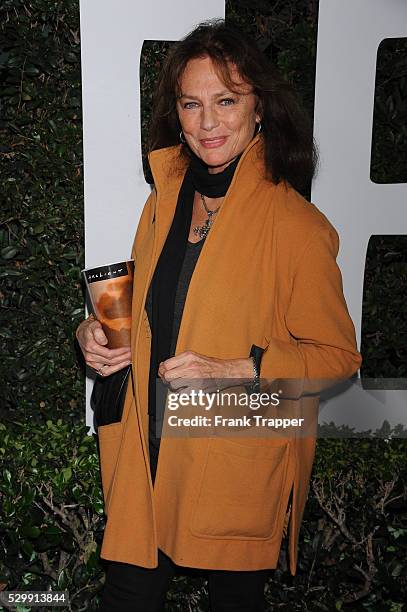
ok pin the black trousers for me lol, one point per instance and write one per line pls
(131, 588)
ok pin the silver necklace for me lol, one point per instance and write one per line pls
(202, 230)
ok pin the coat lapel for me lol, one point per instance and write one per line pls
(231, 218)
(168, 172)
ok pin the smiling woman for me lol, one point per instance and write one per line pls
(238, 74)
(235, 277)
(217, 124)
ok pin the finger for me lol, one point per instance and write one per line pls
(108, 354)
(95, 358)
(92, 338)
(112, 369)
(99, 335)
(94, 333)
(179, 388)
(102, 353)
(87, 328)
(174, 374)
(174, 371)
(108, 370)
(178, 384)
(177, 360)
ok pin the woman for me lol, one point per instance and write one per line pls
(230, 145)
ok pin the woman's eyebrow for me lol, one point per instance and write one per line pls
(226, 92)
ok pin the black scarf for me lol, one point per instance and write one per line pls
(211, 185)
(166, 275)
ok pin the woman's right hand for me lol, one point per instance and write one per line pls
(92, 341)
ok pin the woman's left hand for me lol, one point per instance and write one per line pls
(179, 370)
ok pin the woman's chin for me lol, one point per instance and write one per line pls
(214, 160)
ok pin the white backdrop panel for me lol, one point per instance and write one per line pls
(112, 36)
(349, 34)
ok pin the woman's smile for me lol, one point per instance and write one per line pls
(213, 143)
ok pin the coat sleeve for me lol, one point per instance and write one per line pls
(323, 348)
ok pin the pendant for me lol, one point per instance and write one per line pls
(203, 230)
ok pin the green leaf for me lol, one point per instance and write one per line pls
(31, 531)
(67, 474)
(9, 252)
(38, 228)
(31, 70)
(71, 57)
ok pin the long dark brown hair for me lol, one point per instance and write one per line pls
(289, 153)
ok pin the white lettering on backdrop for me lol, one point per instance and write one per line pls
(112, 37)
(349, 35)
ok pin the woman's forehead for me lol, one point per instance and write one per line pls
(203, 72)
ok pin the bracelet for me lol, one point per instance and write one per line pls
(256, 374)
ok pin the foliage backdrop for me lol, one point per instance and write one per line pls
(354, 534)
(41, 231)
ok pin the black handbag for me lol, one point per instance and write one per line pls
(108, 394)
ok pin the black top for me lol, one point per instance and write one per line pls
(191, 257)
(192, 252)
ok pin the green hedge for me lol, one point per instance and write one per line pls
(52, 509)
(41, 230)
(352, 548)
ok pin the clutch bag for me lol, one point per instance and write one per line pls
(108, 394)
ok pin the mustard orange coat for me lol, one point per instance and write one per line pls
(267, 275)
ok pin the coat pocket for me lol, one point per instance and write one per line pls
(109, 446)
(242, 491)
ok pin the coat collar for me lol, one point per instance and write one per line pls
(168, 167)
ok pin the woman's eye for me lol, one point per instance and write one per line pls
(190, 105)
(227, 101)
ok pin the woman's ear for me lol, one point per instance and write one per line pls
(258, 121)
(259, 111)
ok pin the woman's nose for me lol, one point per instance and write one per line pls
(209, 119)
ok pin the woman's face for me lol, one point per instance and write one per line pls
(217, 123)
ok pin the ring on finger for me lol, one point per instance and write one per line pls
(100, 370)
